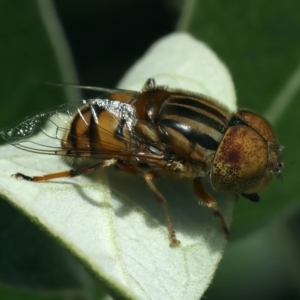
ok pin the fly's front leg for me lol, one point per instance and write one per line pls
(210, 202)
(149, 177)
(69, 173)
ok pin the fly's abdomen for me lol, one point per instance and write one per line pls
(100, 129)
(76, 138)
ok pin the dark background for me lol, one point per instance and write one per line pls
(106, 37)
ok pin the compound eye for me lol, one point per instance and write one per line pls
(240, 161)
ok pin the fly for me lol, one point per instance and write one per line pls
(178, 132)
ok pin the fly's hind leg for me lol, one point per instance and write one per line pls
(149, 179)
(210, 202)
(69, 173)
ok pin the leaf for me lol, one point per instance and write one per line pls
(30, 260)
(120, 233)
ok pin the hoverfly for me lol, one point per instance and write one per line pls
(160, 129)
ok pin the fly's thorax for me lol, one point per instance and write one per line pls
(190, 125)
(149, 103)
(247, 156)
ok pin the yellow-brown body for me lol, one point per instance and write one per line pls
(170, 130)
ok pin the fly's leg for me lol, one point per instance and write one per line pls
(210, 202)
(133, 169)
(69, 173)
(149, 177)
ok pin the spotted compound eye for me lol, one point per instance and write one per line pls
(247, 156)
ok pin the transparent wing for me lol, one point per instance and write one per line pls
(51, 123)
(54, 125)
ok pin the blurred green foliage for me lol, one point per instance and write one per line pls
(27, 61)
